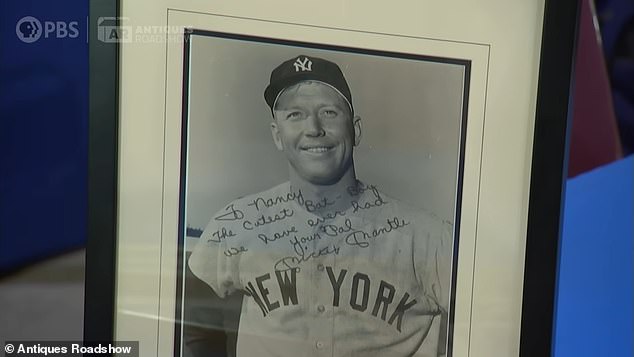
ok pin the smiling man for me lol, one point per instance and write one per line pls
(328, 265)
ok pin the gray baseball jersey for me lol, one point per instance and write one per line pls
(368, 281)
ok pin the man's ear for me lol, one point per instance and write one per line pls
(356, 123)
(275, 132)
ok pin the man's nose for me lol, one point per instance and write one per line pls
(313, 126)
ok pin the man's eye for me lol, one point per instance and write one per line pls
(329, 113)
(294, 115)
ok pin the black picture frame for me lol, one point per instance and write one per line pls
(549, 165)
(548, 176)
(103, 138)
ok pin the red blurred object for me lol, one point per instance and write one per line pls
(594, 137)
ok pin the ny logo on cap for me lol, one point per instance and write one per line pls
(304, 66)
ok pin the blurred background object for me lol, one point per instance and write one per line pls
(616, 21)
(594, 136)
(44, 301)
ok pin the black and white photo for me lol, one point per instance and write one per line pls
(320, 202)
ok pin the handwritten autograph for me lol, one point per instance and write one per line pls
(303, 255)
(267, 219)
(231, 215)
(220, 235)
(277, 235)
(304, 245)
(233, 251)
(360, 238)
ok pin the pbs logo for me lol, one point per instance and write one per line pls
(29, 29)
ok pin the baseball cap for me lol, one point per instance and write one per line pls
(306, 68)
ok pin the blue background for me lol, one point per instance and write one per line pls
(43, 134)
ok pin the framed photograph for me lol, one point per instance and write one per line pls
(326, 179)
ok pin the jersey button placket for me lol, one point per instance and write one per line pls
(339, 242)
(322, 298)
(316, 298)
(329, 310)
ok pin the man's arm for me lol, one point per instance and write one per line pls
(435, 268)
(209, 323)
(443, 261)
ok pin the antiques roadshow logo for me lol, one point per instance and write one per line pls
(114, 30)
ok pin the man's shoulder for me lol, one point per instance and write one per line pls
(399, 206)
(419, 217)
